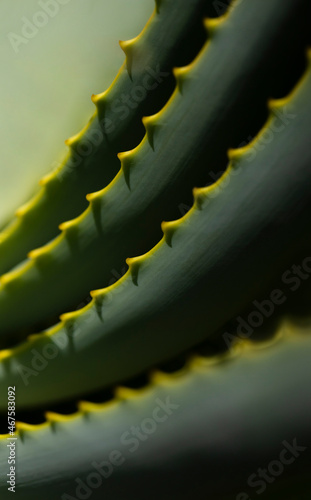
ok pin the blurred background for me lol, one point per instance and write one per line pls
(54, 56)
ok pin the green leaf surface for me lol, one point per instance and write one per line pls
(124, 219)
(143, 84)
(204, 272)
(206, 429)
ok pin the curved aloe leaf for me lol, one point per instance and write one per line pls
(172, 37)
(207, 417)
(125, 218)
(42, 100)
(198, 277)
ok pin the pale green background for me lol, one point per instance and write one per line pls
(46, 87)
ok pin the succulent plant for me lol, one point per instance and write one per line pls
(189, 376)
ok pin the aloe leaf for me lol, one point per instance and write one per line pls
(172, 37)
(60, 63)
(197, 426)
(124, 219)
(197, 278)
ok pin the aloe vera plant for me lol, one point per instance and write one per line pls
(125, 217)
(216, 388)
(240, 237)
(146, 80)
